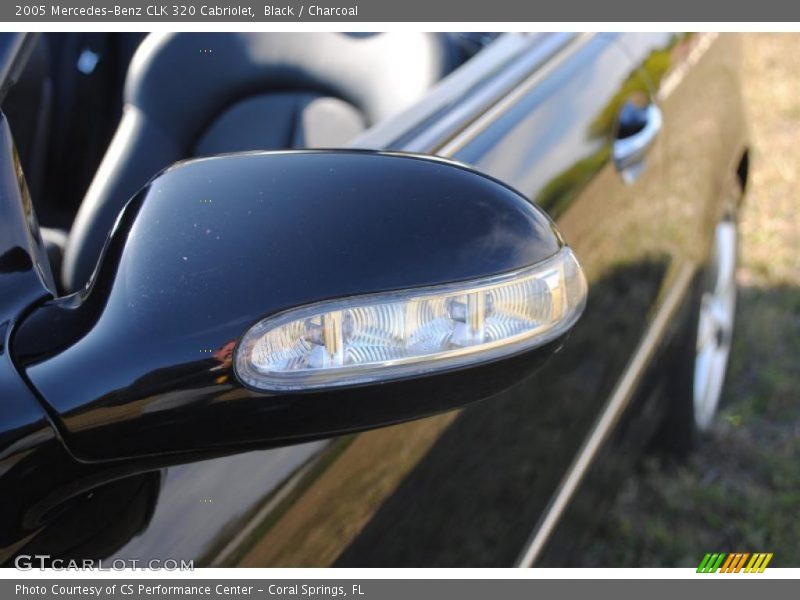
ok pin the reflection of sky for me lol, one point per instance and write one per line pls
(184, 527)
(640, 45)
(546, 132)
(158, 265)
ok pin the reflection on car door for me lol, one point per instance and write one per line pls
(494, 473)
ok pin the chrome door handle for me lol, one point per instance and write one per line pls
(629, 150)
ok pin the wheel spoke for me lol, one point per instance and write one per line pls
(715, 325)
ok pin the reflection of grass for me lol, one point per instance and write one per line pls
(741, 489)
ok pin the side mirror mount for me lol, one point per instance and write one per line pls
(259, 299)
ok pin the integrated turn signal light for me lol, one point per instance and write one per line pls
(403, 334)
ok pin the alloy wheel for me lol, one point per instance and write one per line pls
(715, 326)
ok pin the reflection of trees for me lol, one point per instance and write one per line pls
(642, 81)
(556, 195)
(560, 191)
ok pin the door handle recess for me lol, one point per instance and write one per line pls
(637, 132)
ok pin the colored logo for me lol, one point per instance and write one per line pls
(735, 562)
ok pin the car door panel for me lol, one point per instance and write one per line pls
(695, 79)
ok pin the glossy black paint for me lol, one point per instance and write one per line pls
(24, 268)
(15, 48)
(466, 487)
(140, 362)
(29, 448)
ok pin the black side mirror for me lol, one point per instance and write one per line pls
(267, 298)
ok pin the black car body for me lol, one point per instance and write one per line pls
(520, 477)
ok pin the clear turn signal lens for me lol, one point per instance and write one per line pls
(408, 333)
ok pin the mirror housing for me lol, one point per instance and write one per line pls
(142, 361)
